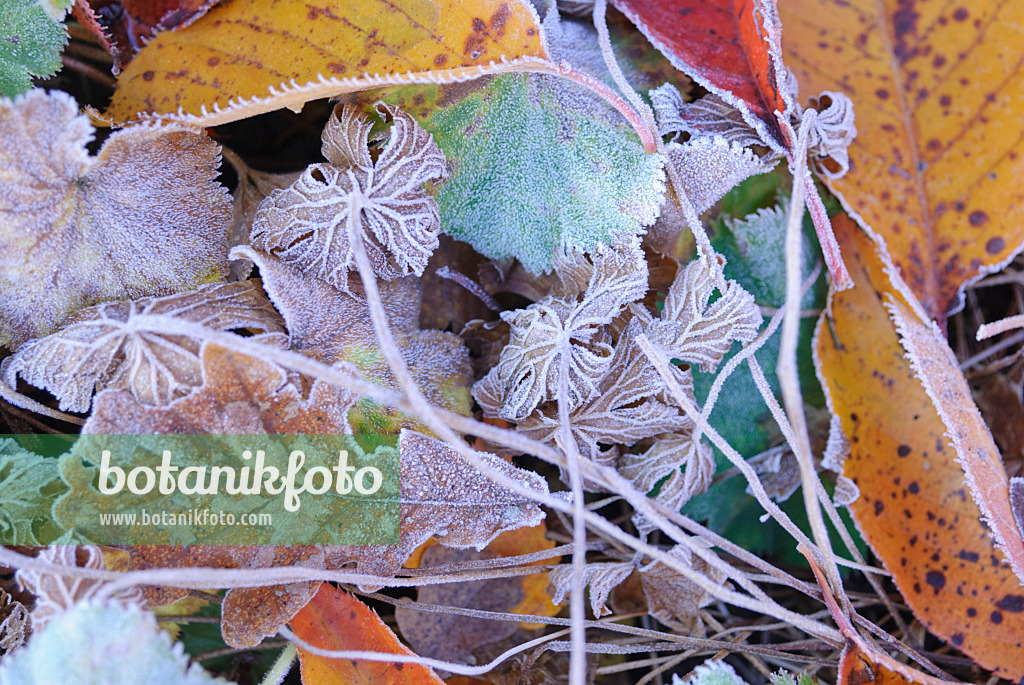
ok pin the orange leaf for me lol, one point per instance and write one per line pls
(336, 620)
(915, 509)
(536, 599)
(939, 151)
(244, 58)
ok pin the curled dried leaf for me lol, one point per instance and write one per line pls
(688, 463)
(674, 599)
(100, 348)
(709, 116)
(832, 134)
(56, 593)
(307, 224)
(143, 218)
(14, 623)
(601, 578)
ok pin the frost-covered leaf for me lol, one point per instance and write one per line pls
(14, 624)
(538, 162)
(832, 134)
(601, 578)
(568, 325)
(239, 395)
(334, 326)
(99, 347)
(1017, 502)
(28, 485)
(708, 116)
(625, 408)
(712, 673)
(666, 457)
(96, 644)
(307, 224)
(691, 330)
(448, 636)
(56, 593)
(143, 218)
(672, 598)
(30, 44)
(711, 166)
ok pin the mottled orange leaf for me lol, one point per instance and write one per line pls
(336, 620)
(245, 58)
(939, 152)
(915, 510)
(536, 598)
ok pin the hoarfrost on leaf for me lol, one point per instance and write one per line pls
(28, 485)
(100, 347)
(831, 134)
(709, 116)
(101, 644)
(711, 166)
(601, 578)
(14, 624)
(143, 218)
(711, 673)
(674, 599)
(307, 223)
(691, 330)
(665, 457)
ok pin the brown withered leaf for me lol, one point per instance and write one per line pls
(1017, 502)
(99, 347)
(448, 636)
(672, 598)
(143, 218)
(14, 623)
(601, 578)
(306, 224)
(334, 326)
(569, 323)
(688, 463)
(706, 116)
(442, 496)
(239, 394)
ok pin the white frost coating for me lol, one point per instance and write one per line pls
(935, 367)
(306, 224)
(102, 644)
(711, 166)
(710, 673)
(601, 578)
(831, 134)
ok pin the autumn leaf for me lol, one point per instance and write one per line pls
(935, 167)
(99, 347)
(240, 59)
(143, 218)
(915, 509)
(336, 620)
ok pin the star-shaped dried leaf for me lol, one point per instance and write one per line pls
(334, 326)
(100, 347)
(691, 330)
(239, 395)
(143, 218)
(625, 408)
(306, 224)
(601, 578)
(567, 324)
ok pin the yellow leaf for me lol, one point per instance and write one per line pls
(244, 58)
(937, 90)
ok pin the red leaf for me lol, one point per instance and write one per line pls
(730, 47)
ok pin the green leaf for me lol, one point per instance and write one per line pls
(93, 644)
(29, 484)
(538, 162)
(711, 673)
(30, 44)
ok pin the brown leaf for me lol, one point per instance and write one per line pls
(239, 395)
(450, 637)
(143, 218)
(601, 578)
(307, 224)
(672, 598)
(99, 348)
(14, 623)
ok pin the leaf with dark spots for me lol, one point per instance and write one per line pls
(939, 142)
(928, 531)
